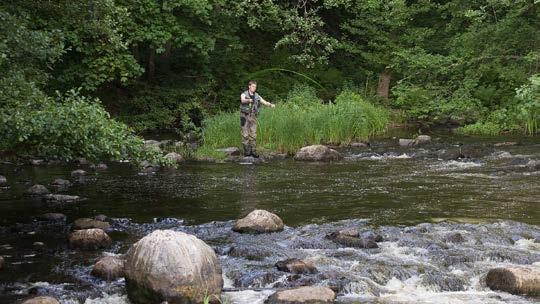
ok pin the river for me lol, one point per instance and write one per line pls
(415, 197)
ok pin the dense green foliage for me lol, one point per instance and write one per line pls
(170, 64)
(302, 119)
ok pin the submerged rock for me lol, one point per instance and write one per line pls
(406, 142)
(259, 221)
(296, 266)
(61, 198)
(52, 217)
(102, 218)
(533, 164)
(60, 184)
(422, 139)
(317, 153)
(3, 181)
(174, 157)
(41, 300)
(89, 239)
(88, 223)
(301, 295)
(1, 262)
(109, 268)
(99, 167)
(352, 241)
(39, 246)
(515, 280)
(37, 190)
(78, 173)
(172, 266)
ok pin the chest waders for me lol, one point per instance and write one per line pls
(248, 124)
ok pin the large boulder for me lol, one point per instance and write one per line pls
(37, 190)
(303, 295)
(258, 221)
(89, 239)
(172, 266)
(41, 300)
(515, 280)
(88, 223)
(317, 153)
(109, 268)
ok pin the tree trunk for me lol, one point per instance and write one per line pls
(515, 280)
(151, 68)
(383, 89)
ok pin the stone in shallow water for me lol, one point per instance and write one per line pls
(3, 181)
(317, 153)
(37, 190)
(1, 263)
(109, 268)
(89, 239)
(350, 241)
(174, 157)
(303, 295)
(296, 266)
(515, 280)
(88, 223)
(405, 142)
(78, 173)
(60, 184)
(52, 217)
(61, 198)
(41, 300)
(172, 266)
(259, 221)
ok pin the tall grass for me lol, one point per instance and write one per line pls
(302, 120)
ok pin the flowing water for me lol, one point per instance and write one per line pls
(444, 223)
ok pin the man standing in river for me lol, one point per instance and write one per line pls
(250, 102)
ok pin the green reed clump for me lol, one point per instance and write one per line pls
(302, 120)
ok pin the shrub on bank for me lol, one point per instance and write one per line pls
(296, 122)
(68, 127)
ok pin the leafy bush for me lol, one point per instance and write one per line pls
(479, 128)
(296, 123)
(529, 106)
(67, 127)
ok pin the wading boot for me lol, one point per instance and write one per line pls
(254, 153)
(247, 150)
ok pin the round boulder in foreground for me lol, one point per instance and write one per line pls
(259, 221)
(303, 295)
(515, 280)
(89, 239)
(172, 266)
(317, 153)
(41, 300)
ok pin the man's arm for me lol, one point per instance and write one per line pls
(244, 99)
(266, 103)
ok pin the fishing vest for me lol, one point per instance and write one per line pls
(251, 108)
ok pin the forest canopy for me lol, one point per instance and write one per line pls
(170, 64)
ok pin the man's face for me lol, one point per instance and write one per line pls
(253, 87)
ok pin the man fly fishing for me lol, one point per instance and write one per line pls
(250, 102)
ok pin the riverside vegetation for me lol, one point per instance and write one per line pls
(124, 67)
